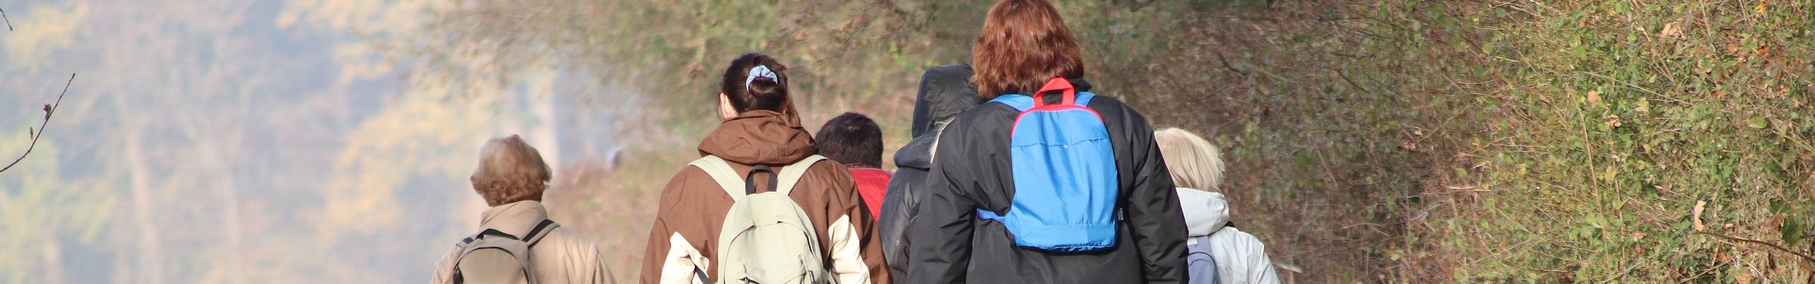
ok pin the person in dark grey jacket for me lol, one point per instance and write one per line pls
(1024, 44)
(944, 92)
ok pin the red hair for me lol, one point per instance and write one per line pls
(1024, 43)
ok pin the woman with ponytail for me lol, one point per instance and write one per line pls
(761, 131)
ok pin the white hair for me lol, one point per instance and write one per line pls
(1193, 161)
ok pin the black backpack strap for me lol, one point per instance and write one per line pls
(532, 237)
(495, 233)
(535, 235)
(487, 232)
(750, 181)
(701, 273)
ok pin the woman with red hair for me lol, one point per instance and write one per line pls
(973, 226)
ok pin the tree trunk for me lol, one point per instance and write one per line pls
(150, 268)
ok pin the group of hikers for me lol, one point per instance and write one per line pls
(1016, 173)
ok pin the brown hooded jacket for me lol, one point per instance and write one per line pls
(693, 206)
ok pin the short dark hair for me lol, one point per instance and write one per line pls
(852, 139)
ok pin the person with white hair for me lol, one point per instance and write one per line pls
(1232, 256)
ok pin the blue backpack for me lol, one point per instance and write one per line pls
(1064, 171)
(1200, 263)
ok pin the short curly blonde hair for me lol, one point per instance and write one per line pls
(1193, 161)
(510, 171)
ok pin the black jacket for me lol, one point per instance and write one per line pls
(950, 244)
(945, 91)
(899, 207)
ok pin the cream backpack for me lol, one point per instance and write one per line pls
(766, 237)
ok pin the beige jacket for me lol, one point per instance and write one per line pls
(693, 206)
(563, 256)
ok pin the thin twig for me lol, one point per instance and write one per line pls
(1805, 257)
(1635, 264)
(9, 22)
(48, 110)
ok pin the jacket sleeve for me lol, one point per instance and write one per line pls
(670, 258)
(856, 248)
(940, 252)
(1260, 267)
(444, 269)
(1263, 272)
(601, 272)
(897, 210)
(1152, 207)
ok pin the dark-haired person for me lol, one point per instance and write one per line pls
(511, 178)
(760, 129)
(944, 92)
(854, 140)
(1023, 46)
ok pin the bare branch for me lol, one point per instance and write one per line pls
(9, 22)
(48, 110)
(1804, 257)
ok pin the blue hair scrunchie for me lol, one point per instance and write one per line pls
(759, 72)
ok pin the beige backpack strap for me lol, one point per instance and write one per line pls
(791, 174)
(722, 173)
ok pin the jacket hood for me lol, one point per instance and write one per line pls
(945, 91)
(1205, 212)
(918, 153)
(759, 138)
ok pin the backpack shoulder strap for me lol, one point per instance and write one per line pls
(791, 174)
(1083, 99)
(487, 233)
(1018, 101)
(722, 173)
(541, 230)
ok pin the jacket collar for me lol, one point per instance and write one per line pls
(516, 218)
(759, 138)
(1077, 84)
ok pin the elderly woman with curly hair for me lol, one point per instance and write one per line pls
(511, 178)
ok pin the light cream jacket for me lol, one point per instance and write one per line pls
(563, 256)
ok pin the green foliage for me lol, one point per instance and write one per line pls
(1618, 118)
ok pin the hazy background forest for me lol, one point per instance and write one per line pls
(236, 141)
